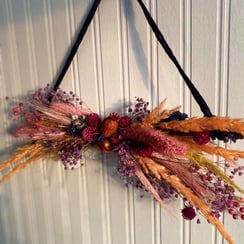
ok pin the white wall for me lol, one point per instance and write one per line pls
(118, 60)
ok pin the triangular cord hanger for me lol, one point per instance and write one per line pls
(74, 47)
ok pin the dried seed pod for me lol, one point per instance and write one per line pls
(106, 146)
(109, 127)
(114, 116)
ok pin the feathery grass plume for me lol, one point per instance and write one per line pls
(163, 174)
(153, 117)
(206, 123)
(183, 174)
(69, 109)
(156, 115)
(50, 113)
(28, 154)
(158, 140)
(31, 153)
(228, 154)
(38, 132)
(146, 183)
(18, 155)
(204, 162)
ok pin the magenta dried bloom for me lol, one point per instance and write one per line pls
(145, 151)
(125, 121)
(202, 137)
(89, 133)
(93, 119)
(115, 139)
(158, 140)
(188, 213)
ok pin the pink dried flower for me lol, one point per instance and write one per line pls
(93, 119)
(89, 133)
(15, 111)
(158, 140)
(124, 121)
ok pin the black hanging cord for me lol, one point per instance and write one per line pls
(195, 93)
(71, 53)
(75, 46)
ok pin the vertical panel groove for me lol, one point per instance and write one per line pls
(30, 43)
(12, 43)
(124, 52)
(218, 55)
(124, 76)
(50, 37)
(48, 212)
(218, 75)
(33, 75)
(8, 234)
(149, 56)
(83, 191)
(226, 54)
(182, 86)
(71, 31)
(16, 78)
(101, 99)
(122, 49)
(82, 174)
(187, 64)
(224, 86)
(155, 65)
(154, 100)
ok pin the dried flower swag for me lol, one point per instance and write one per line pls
(162, 151)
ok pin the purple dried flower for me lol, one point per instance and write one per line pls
(127, 168)
(70, 154)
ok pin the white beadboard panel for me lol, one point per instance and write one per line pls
(235, 88)
(118, 59)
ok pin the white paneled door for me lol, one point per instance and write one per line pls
(118, 59)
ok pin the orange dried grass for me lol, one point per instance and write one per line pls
(155, 116)
(161, 172)
(229, 155)
(206, 123)
(32, 152)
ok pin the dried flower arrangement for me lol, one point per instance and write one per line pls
(161, 151)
